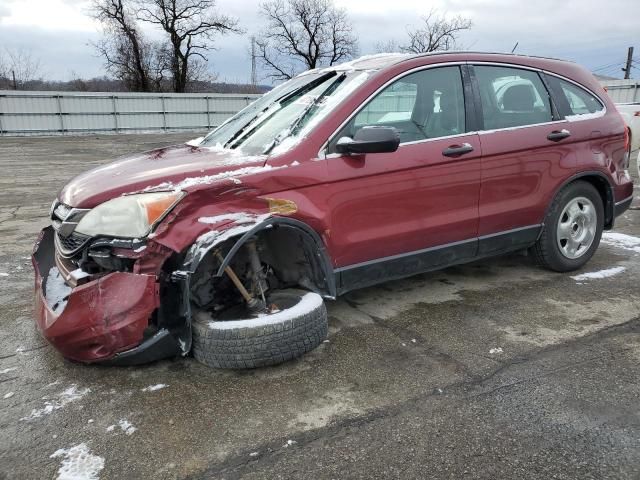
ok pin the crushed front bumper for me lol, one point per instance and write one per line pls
(103, 318)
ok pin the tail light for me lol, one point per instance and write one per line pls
(627, 149)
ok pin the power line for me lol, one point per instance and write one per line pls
(611, 70)
(604, 67)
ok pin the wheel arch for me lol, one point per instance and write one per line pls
(602, 184)
(312, 243)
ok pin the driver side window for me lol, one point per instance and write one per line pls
(423, 105)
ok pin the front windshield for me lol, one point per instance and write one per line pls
(285, 114)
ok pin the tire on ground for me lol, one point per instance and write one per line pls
(264, 341)
(546, 250)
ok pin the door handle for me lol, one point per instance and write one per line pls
(457, 150)
(558, 135)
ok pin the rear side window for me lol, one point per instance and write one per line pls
(512, 97)
(578, 100)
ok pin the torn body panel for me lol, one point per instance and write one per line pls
(101, 318)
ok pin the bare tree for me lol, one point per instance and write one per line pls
(389, 46)
(18, 67)
(191, 26)
(141, 65)
(303, 34)
(437, 32)
(4, 72)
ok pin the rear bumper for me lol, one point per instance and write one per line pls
(101, 318)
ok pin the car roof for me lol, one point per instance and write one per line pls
(381, 61)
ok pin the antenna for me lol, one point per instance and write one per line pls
(514, 47)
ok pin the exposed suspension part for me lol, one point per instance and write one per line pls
(253, 303)
(258, 276)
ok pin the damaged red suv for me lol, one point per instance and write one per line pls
(340, 178)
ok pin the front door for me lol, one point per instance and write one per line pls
(395, 214)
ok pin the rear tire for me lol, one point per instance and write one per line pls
(263, 341)
(572, 228)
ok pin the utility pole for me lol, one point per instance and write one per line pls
(627, 69)
(254, 72)
(15, 84)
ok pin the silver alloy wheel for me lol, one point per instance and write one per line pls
(577, 227)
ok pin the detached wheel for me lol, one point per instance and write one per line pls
(298, 327)
(572, 228)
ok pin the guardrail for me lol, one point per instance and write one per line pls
(59, 113)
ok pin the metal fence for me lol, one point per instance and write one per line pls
(623, 91)
(58, 113)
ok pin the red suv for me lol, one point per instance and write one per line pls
(341, 178)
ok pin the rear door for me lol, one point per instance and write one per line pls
(389, 210)
(526, 153)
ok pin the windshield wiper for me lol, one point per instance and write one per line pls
(293, 129)
(281, 100)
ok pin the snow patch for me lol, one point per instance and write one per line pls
(621, 240)
(78, 463)
(310, 301)
(140, 249)
(234, 217)
(7, 370)
(195, 142)
(3, 274)
(218, 237)
(56, 290)
(8, 395)
(153, 388)
(327, 107)
(351, 65)
(125, 425)
(609, 272)
(495, 350)
(584, 116)
(71, 394)
(231, 175)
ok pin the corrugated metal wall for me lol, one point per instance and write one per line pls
(623, 91)
(56, 113)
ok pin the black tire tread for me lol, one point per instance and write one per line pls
(543, 250)
(253, 347)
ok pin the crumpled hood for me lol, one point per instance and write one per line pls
(165, 166)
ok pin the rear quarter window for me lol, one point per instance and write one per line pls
(575, 101)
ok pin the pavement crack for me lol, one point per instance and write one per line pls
(12, 215)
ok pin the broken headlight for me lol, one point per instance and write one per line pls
(130, 216)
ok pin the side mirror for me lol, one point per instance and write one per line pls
(370, 140)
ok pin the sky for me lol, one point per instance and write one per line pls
(593, 33)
